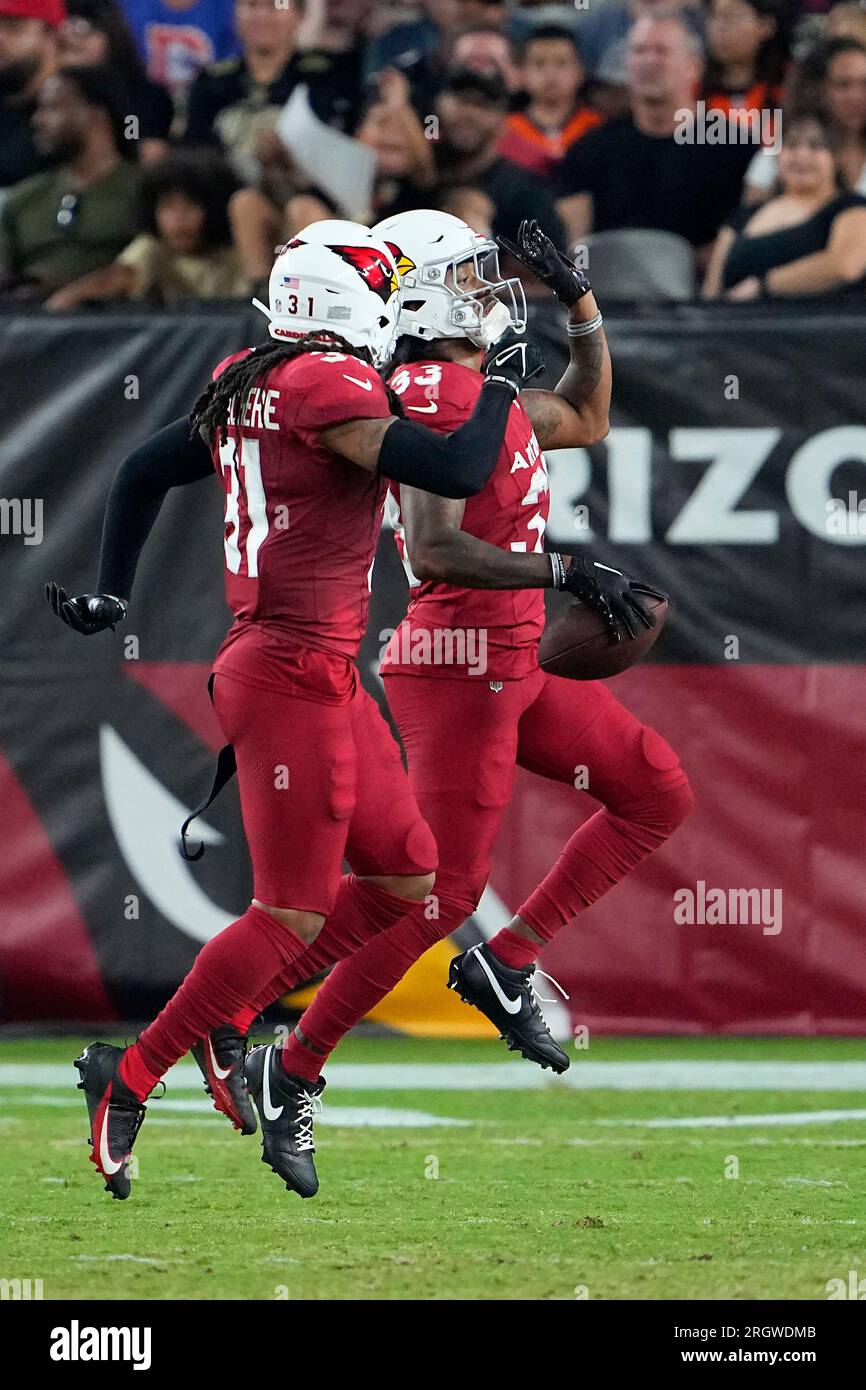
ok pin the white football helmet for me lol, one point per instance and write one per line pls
(428, 247)
(336, 277)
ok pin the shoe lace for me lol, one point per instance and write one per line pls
(543, 998)
(309, 1107)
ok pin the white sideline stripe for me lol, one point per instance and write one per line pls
(792, 1117)
(342, 1116)
(584, 1075)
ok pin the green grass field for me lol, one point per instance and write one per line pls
(541, 1192)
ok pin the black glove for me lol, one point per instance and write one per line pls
(536, 251)
(513, 361)
(88, 612)
(612, 594)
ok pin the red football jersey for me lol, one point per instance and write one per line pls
(301, 523)
(486, 632)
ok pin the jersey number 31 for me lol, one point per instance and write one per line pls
(252, 503)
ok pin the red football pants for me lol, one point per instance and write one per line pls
(318, 783)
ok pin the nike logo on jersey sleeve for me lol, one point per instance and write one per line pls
(366, 385)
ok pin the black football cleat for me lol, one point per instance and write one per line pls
(115, 1115)
(220, 1058)
(507, 997)
(286, 1106)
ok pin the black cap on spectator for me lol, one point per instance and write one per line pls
(489, 85)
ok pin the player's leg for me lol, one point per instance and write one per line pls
(394, 853)
(461, 740)
(296, 777)
(634, 773)
(644, 793)
(390, 848)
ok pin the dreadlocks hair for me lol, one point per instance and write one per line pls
(213, 407)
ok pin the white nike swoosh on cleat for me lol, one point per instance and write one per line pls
(511, 1006)
(217, 1071)
(367, 385)
(270, 1112)
(109, 1165)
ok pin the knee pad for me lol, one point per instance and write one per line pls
(454, 902)
(661, 808)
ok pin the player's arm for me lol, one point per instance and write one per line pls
(577, 412)
(170, 458)
(439, 551)
(455, 465)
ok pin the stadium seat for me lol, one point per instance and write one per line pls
(638, 264)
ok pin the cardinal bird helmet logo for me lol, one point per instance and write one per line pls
(372, 267)
(404, 263)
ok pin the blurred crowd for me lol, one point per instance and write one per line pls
(149, 149)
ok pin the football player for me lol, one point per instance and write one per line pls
(303, 437)
(479, 566)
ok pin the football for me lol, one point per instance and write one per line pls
(577, 644)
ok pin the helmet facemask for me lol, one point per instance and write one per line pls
(483, 312)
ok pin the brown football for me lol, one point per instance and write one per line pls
(576, 644)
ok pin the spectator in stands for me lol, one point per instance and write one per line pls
(846, 21)
(177, 38)
(427, 36)
(646, 170)
(471, 110)
(405, 168)
(423, 49)
(809, 239)
(28, 55)
(333, 36)
(236, 103)
(77, 216)
(405, 172)
(94, 33)
(472, 207)
(603, 33)
(184, 246)
(552, 76)
(832, 78)
(747, 54)
(487, 48)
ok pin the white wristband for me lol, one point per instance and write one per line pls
(557, 567)
(579, 330)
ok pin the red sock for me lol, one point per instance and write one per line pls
(361, 911)
(229, 970)
(244, 1018)
(301, 1060)
(600, 853)
(355, 986)
(135, 1074)
(512, 949)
